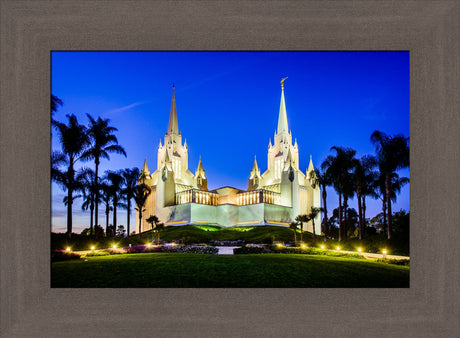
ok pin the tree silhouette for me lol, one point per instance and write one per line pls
(141, 192)
(294, 226)
(314, 211)
(103, 142)
(73, 139)
(86, 177)
(131, 177)
(392, 155)
(339, 168)
(115, 182)
(324, 180)
(364, 177)
(300, 219)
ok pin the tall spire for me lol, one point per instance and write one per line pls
(145, 168)
(199, 172)
(173, 126)
(255, 170)
(282, 118)
(310, 167)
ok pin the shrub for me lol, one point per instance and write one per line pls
(61, 255)
(405, 262)
(97, 253)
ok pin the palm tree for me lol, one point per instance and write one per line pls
(300, 219)
(73, 140)
(86, 176)
(130, 176)
(55, 102)
(152, 220)
(103, 142)
(159, 227)
(115, 186)
(339, 168)
(312, 215)
(141, 192)
(324, 180)
(364, 177)
(106, 197)
(294, 226)
(392, 155)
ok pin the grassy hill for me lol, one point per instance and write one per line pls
(189, 234)
(195, 270)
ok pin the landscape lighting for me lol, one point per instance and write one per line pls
(323, 247)
(68, 249)
(338, 248)
(92, 248)
(359, 249)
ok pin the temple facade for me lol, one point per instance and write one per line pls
(179, 196)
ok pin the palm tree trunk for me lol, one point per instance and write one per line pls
(325, 214)
(388, 193)
(295, 237)
(91, 219)
(96, 185)
(384, 210)
(140, 222)
(107, 211)
(345, 217)
(128, 215)
(340, 215)
(114, 219)
(313, 222)
(70, 181)
(364, 211)
(301, 232)
(360, 215)
(69, 212)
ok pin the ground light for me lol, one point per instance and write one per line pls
(303, 245)
(338, 248)
(323, 247)
(360, 250)
(114, 246)
(384, 252)
(92, 248)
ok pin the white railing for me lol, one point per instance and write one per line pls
(197, 196)
(258, 196)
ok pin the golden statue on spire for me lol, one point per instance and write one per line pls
(282, 82)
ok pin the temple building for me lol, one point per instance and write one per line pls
(179, 196)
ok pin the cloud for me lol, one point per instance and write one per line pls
(124, 108)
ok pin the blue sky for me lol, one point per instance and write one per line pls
(227, 107)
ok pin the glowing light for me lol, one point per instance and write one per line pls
(68, 249)
(359, 249)
(323, 247)
(338, 248)
(92, 248)
(149, 245)
(303, 245)
(384, 251)
(114, 246)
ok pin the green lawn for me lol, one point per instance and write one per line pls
(195, 270)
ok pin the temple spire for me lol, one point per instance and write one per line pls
(282, 118)
(199, 172)
(255, 169)
(145, 168)
(310, 167)
(173, 127)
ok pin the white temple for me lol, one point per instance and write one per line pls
(276, 197)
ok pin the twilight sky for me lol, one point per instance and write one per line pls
(227, 108)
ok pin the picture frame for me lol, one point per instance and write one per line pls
(31, 29)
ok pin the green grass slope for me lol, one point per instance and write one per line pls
(194, 270)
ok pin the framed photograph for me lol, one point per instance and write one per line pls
(32, 31)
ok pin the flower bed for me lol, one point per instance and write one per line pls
(173, 248)
(61, 255)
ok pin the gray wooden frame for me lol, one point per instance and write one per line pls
(30, 29)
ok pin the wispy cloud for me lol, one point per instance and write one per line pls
(124, 108)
